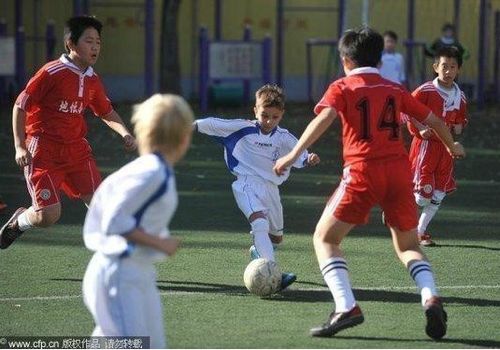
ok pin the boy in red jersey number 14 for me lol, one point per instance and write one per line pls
(376, 171)
(49, 129)
(432, 165)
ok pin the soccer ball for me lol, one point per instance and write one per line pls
(262, 277)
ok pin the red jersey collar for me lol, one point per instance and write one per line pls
(364, 70)
(64, 59)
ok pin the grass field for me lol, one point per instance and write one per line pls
(205, 302)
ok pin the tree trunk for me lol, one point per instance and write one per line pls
(170, 71)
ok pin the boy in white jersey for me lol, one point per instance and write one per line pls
(393, 67)
(251, 147)
(127, 225)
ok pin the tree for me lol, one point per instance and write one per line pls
(170, 72)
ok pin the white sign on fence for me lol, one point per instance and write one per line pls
(7, 56)
(235, 60)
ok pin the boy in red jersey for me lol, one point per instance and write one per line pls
(49, 129)
(432, 165)
(376, 171)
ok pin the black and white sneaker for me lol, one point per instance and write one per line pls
(339, 321)
(10, 231)
(436, 318)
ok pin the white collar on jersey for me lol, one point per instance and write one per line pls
(257, 124)
(65, 59)
(364, 70)
(452, 97)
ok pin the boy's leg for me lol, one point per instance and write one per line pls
(43, 187)
(429, 211)
(327, 238)
(275, 215)
(444, 182)
(247, 194)
(410, 254)
(260, 231)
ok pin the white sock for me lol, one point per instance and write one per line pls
(261, 240)
(336, 276)
(23, 221)
(425, 218)
(421, 273)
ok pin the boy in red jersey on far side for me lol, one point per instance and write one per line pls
(376, 171)
(49, 129)
(432, 165)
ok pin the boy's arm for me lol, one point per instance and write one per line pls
(220, 127)
(313, 131)
(115, 122)
(443, 132)
(166, 245)
(23, 156)
(424, 130)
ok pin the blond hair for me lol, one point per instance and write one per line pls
(161, 122)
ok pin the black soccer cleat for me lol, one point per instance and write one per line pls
(339, 321)
(436, 318)
(10, 231)
(287, 278)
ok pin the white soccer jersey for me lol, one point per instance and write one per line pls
(142, 194)
(248, 151)
(393, 67)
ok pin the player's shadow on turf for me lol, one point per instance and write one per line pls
(473, 342)
(314, 296)
(473, 246)
(303, 295)
(201, 287)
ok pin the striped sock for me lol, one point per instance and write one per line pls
(421, 273)
(336, 276)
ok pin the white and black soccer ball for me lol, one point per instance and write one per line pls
(262, 277)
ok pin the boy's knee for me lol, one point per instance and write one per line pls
(421, 200)
(47, 216)
(260, 226)
(276, 239)
(437, 197)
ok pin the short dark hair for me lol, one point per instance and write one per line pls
(391, 35)
(448, 26)
(450, 52)
(75, 26)
(271, 95)
(363, 46)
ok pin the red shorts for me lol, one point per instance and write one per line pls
(366, 184)
(432, 167)
(56, 167)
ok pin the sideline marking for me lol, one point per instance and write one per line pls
(222, 290)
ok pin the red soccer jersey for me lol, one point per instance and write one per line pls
(369, 107)
(55, 98)
(429, 95)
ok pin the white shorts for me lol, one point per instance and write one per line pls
(254, 194)
(122, 296)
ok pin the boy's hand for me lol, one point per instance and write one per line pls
(457, 151)
(425, 133)
(283, 163)
(313, 159)
(23, 156)
(129, 143)
(169, 245)
(457, 129)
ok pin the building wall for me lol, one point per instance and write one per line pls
(121, 62)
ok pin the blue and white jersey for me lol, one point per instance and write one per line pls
(248, 151)
(142, 194)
